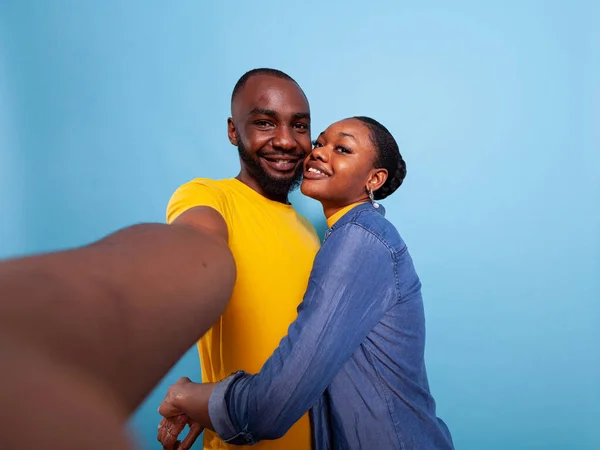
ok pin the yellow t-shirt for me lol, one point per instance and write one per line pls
(274, 248)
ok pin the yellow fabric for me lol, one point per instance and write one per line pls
(274, 248)
(331, 220)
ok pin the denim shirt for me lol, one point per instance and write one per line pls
(354, 356)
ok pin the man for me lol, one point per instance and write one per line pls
(80, 329)
(273, 246)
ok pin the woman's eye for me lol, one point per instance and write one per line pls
(316, 144)
(343, 149)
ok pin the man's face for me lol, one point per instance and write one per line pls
(271, 128)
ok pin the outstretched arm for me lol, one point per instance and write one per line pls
(85, 334)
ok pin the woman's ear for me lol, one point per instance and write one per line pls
(376, 179)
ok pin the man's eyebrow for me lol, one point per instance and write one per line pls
(263, 112)
(302, 116)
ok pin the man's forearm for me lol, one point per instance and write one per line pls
(123, 309)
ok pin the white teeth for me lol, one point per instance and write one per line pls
(281, 160)
(313, 170)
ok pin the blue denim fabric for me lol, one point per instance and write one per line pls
(354, 356)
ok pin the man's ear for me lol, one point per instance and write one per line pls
(231, 132)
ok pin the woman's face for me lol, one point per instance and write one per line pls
(340, 167)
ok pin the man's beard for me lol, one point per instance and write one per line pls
(273, 187)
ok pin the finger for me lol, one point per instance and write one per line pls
(169, 439)
(164, 430)
(195, 430)
(162, 427)
(178, 424)
(174, 427)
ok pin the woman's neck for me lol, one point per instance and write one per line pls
(335, 214)
(332, 209)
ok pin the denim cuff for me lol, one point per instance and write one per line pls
(219, 413)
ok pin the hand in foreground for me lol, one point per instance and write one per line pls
(174, 419)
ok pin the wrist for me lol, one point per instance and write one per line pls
(193, 401)
(184, 397)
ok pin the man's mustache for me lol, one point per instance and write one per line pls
(299, 155)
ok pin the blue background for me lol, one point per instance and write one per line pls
(106, 107)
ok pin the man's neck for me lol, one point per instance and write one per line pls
(254, 185)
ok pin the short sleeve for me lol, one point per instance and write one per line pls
(198, 192)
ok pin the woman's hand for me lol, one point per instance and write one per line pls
(175, 418)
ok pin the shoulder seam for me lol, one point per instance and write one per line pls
(393, 254)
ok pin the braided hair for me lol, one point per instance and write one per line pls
(388, 157)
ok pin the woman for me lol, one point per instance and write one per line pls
(355, 354)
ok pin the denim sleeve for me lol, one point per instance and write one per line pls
(352, 284)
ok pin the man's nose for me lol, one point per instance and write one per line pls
(284, 139)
